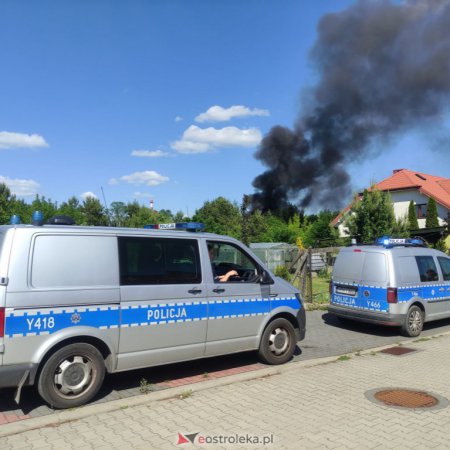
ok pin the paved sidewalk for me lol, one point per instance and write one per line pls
(303, 405)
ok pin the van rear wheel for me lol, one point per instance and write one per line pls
(71, 376)
(413, 324)
(278, 342)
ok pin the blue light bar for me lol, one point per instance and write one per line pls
(390, 242)
(185, 226)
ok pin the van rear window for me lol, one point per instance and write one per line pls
(374, 268)
(348, 265)
(158, 261)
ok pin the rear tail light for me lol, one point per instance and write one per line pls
(2, 322)
(392, 295)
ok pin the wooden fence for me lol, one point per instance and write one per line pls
(302, 267)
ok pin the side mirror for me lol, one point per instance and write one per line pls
(265, 278)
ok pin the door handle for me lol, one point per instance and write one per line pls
(195, 291)
(219, 290)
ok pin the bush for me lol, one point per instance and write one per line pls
(282, 272)
(323, 274)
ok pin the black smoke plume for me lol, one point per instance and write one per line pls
(383, 68)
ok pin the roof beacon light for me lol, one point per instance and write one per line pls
(15, 219)
(184, 226)
(37, 218)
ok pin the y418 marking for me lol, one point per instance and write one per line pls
(46, 323)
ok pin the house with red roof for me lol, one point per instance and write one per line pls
(403, 186)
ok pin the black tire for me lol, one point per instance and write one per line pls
(413, 324)
(71, 376)
(278, 342)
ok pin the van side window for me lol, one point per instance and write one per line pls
(427, 268)
(158, 261)
(445, 267)
(232, 264)
(73, 261)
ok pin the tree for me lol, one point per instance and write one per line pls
(372, 216)
(257, 226)
(93, 212)
(277, 229)
(431, 220)
(73, 209)
(5, 204)
(118, 211)
(412, 217)
(220, 216)
(320, 233)
(47, 207)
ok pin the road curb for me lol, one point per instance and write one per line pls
(62, 417)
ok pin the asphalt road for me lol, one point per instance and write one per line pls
(325, 336)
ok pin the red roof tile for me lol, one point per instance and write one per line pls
(429, 185)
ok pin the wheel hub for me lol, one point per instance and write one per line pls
(73, 376)
(279, 341)
(415, 321)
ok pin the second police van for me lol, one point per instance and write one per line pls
(396, 282)
(76, 302)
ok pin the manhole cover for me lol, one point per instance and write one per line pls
(406, 398)
(397, 351)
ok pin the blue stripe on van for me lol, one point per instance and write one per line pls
(371, 298)
(368, 298)
(47, 321)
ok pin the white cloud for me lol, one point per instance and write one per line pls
(201, 140)
(143, 194)
(21, 140)
(178, 119)
(149, 153)
(85, 195)
(148, 178)
(21, 188)
(218, 114)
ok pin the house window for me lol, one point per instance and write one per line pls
(421, 211)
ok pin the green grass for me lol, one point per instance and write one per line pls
(320, 290)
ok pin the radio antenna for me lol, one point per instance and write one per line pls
(106, 206)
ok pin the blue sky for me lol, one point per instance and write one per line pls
(161, 99)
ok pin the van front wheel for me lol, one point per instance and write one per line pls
(278, 342)
(413, 323)
(71, 376)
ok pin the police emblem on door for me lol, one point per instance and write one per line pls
(75, 318)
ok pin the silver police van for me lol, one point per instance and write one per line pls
(397, 282)
(76, 302)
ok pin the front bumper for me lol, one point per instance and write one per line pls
(394, 320)
(10, 376)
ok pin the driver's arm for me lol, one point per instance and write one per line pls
(226, 277)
